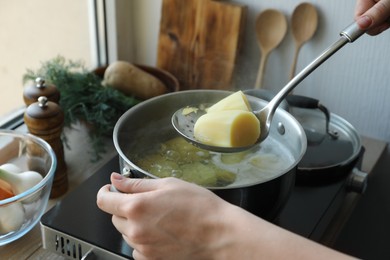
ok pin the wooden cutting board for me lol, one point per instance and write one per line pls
(199, 41)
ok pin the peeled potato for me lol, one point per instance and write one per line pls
(132, 81)
(228, 128)
(235, 101)
(228, 123)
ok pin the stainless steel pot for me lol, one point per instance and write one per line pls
(149, 123)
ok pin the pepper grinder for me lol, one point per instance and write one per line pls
(45, 119)
(32, 92)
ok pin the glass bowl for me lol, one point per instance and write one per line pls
(20, 152)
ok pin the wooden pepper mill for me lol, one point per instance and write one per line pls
(45, 119)
(32, 92)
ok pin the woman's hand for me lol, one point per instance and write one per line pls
(172, 219)
(373, 15)
(165, 218)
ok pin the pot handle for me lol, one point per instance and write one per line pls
(126, 173)
(312, 103)
(302, 101)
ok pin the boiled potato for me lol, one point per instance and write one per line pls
(179, 144)
(233, 158)
(177, 158)
(228, 123)
(230, 128)
(235, 101)
(160, 166)
(224, 177)
(181, 151)
(199, 173)
(132, 81)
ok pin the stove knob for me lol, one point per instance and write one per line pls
(357, 181)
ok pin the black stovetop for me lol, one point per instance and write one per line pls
(308, 212)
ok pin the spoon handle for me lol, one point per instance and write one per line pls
(260, 73)
(295, 60)
(352, 32)
(349, 34)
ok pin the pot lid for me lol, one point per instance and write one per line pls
(331, 140)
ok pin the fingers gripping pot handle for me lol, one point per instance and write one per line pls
(128, 173)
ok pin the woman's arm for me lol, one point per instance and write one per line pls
(172, 219)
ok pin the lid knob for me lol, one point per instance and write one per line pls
(40, 88)
(42, 101)
(40, 82)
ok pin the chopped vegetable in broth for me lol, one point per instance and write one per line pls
(178, 158)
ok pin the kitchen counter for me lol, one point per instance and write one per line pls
(80, 168)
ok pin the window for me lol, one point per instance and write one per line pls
(36, 31)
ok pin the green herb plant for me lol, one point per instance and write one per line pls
(84, 99)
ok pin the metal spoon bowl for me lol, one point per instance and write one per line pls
(184, 122)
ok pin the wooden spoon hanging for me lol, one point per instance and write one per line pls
(271, 27)
(304, 21)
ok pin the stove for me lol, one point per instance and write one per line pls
(77, 229)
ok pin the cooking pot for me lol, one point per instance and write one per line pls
(333, 144)
(149, 123)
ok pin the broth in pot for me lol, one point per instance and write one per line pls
(178, 158)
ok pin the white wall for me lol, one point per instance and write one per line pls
(32, 32)
(354, 83)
